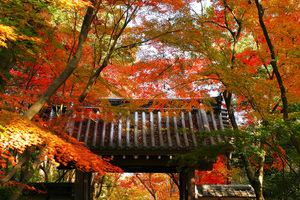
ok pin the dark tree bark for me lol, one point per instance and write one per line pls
(151, 191)
(27, 176)
(256, 182)
(274, 65)
(104, 64)
(15, 169)
(71, 66)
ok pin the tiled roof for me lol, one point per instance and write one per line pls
(224, 191)
(146, 129)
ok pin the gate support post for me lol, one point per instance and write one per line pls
(187, 184)
(182, 184)
(83, 185)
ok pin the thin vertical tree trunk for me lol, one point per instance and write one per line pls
(256, 182)
(151, 191)
(274, 65)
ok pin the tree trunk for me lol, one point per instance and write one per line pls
(92, 80)
(273, 63)
(83, 185)
(228, 97)
(151, 191)
(72, 65)
(27, 176)
(257, 183)
(15, 169)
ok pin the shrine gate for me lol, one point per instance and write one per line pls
(148, 140)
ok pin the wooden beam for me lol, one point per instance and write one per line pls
(187, 184)
(152, 129)
(192, 130)
(186, 141)
(120, 133)
(128, 131)
(83, 185)
(144, 130)
(182, 184)
(80, 128)
(191, 183)
(87, 130)
(111, 136)
(136, 130)
(103, 135)
(176, 132)
(160, 135)
(168, 130)
(94, 141)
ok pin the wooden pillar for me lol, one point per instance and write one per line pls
(187, 184)
(191, 183)
(83, 185)
(182, 184)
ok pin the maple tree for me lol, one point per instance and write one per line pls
(137, 186)
(19, 134)
(121, 20)
(243, 49)
(152, 185)
(218, 175)
(37, 41)
(78, 51)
